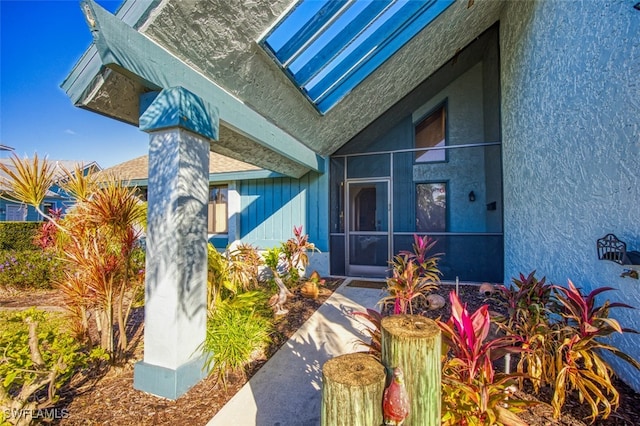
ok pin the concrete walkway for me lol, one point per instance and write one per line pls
(286, 391)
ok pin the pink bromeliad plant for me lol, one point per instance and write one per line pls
(472, 392)
(427, 263)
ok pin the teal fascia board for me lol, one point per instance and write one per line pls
(139, 182)
(223, 177)
(178, 107)
(132, 54)
(244, 175)
(131, 12)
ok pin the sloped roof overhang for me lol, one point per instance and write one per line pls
(220, 40)
(152, 68)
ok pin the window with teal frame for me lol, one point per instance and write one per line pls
(328, 47)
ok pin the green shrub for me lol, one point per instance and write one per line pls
(29, 269)
(28, 383)
(236, 329)
(18, 235)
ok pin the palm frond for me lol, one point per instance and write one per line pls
(29, 181)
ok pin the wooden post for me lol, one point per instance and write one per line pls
(412, 342)
(352, 388)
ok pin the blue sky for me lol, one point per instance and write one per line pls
(40, 42)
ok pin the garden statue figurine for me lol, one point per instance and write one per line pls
(395, 402)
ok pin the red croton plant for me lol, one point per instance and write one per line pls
(472, 392)
(580, 366)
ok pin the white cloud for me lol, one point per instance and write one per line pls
(70, 132)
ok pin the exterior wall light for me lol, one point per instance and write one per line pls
(472, 196)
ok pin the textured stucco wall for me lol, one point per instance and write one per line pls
(219, 38)
(571, 145)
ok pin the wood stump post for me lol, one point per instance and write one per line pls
(352, 389)
(413, 343)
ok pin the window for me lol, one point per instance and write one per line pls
(142, 193)
(431, 207)
(430, 133)
(217, 214)
(16, 213)
(47, 208)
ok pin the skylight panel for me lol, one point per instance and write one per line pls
(329, 47)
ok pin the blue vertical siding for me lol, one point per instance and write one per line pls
(32, 214)
(270, 208)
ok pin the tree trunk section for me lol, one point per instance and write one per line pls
(413, 343)
(352, 388)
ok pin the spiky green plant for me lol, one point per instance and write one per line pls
(527, 302)
(231, 274)
(104, 229)
(97, 240)
(235, 331)
(373, 331)
(80, 185)
(560, 331)
(421, 255)
(405, 286)
(414, 274)
(29, 181)
(295, 251)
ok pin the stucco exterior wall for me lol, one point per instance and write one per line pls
(571, 146)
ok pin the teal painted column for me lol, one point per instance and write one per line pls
(180, 127)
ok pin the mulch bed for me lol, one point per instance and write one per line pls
(107, 397)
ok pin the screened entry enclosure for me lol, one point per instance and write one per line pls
(430, 166)
(375, 217)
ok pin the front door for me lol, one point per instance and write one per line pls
(368, 214)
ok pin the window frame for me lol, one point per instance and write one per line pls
(20, 207)
(211, 203)
(444, 106)
(444, 182)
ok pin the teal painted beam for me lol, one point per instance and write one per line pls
(132, 12)
(130, 53)
(245, 175)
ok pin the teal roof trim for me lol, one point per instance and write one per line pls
(122, 48)
(329, 47)
(223, 177)
(79, 80)
(246, 175)
(178, 107)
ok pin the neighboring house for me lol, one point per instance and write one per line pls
(507, 130)
(12, 210)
